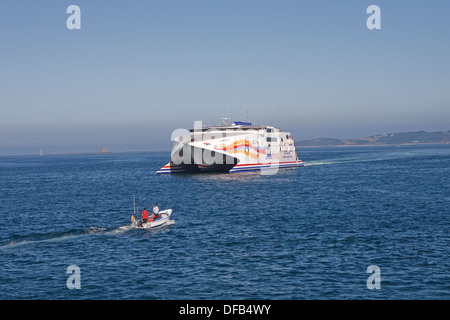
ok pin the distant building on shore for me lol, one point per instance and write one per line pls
(104, 150)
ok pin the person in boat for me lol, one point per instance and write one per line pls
(155, 212)
(144, 216)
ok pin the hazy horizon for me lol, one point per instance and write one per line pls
(135, 72)
(121, 144)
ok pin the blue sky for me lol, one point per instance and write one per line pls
(137, 70)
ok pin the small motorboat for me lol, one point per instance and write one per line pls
(154, 223)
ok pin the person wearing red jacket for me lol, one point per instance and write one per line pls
(144, 216)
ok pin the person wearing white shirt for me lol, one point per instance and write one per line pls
(155, 212)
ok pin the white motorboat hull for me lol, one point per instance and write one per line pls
(164, 218)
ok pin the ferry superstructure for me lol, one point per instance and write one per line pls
(232, 148)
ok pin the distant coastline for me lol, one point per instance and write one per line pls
(389, 139)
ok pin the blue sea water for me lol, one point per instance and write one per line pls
(304, 233)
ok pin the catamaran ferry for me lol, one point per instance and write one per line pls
(238, 147)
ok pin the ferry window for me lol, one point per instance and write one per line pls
(270, 139)
(269, 129)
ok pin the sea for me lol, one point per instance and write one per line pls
(354, 223)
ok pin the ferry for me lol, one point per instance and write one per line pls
(238, 147)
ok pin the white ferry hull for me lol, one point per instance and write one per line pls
(265, 166)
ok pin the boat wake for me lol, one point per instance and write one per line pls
(71, 235)
(366, 157)
(318, 163)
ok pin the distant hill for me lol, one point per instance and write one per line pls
(417, 137)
